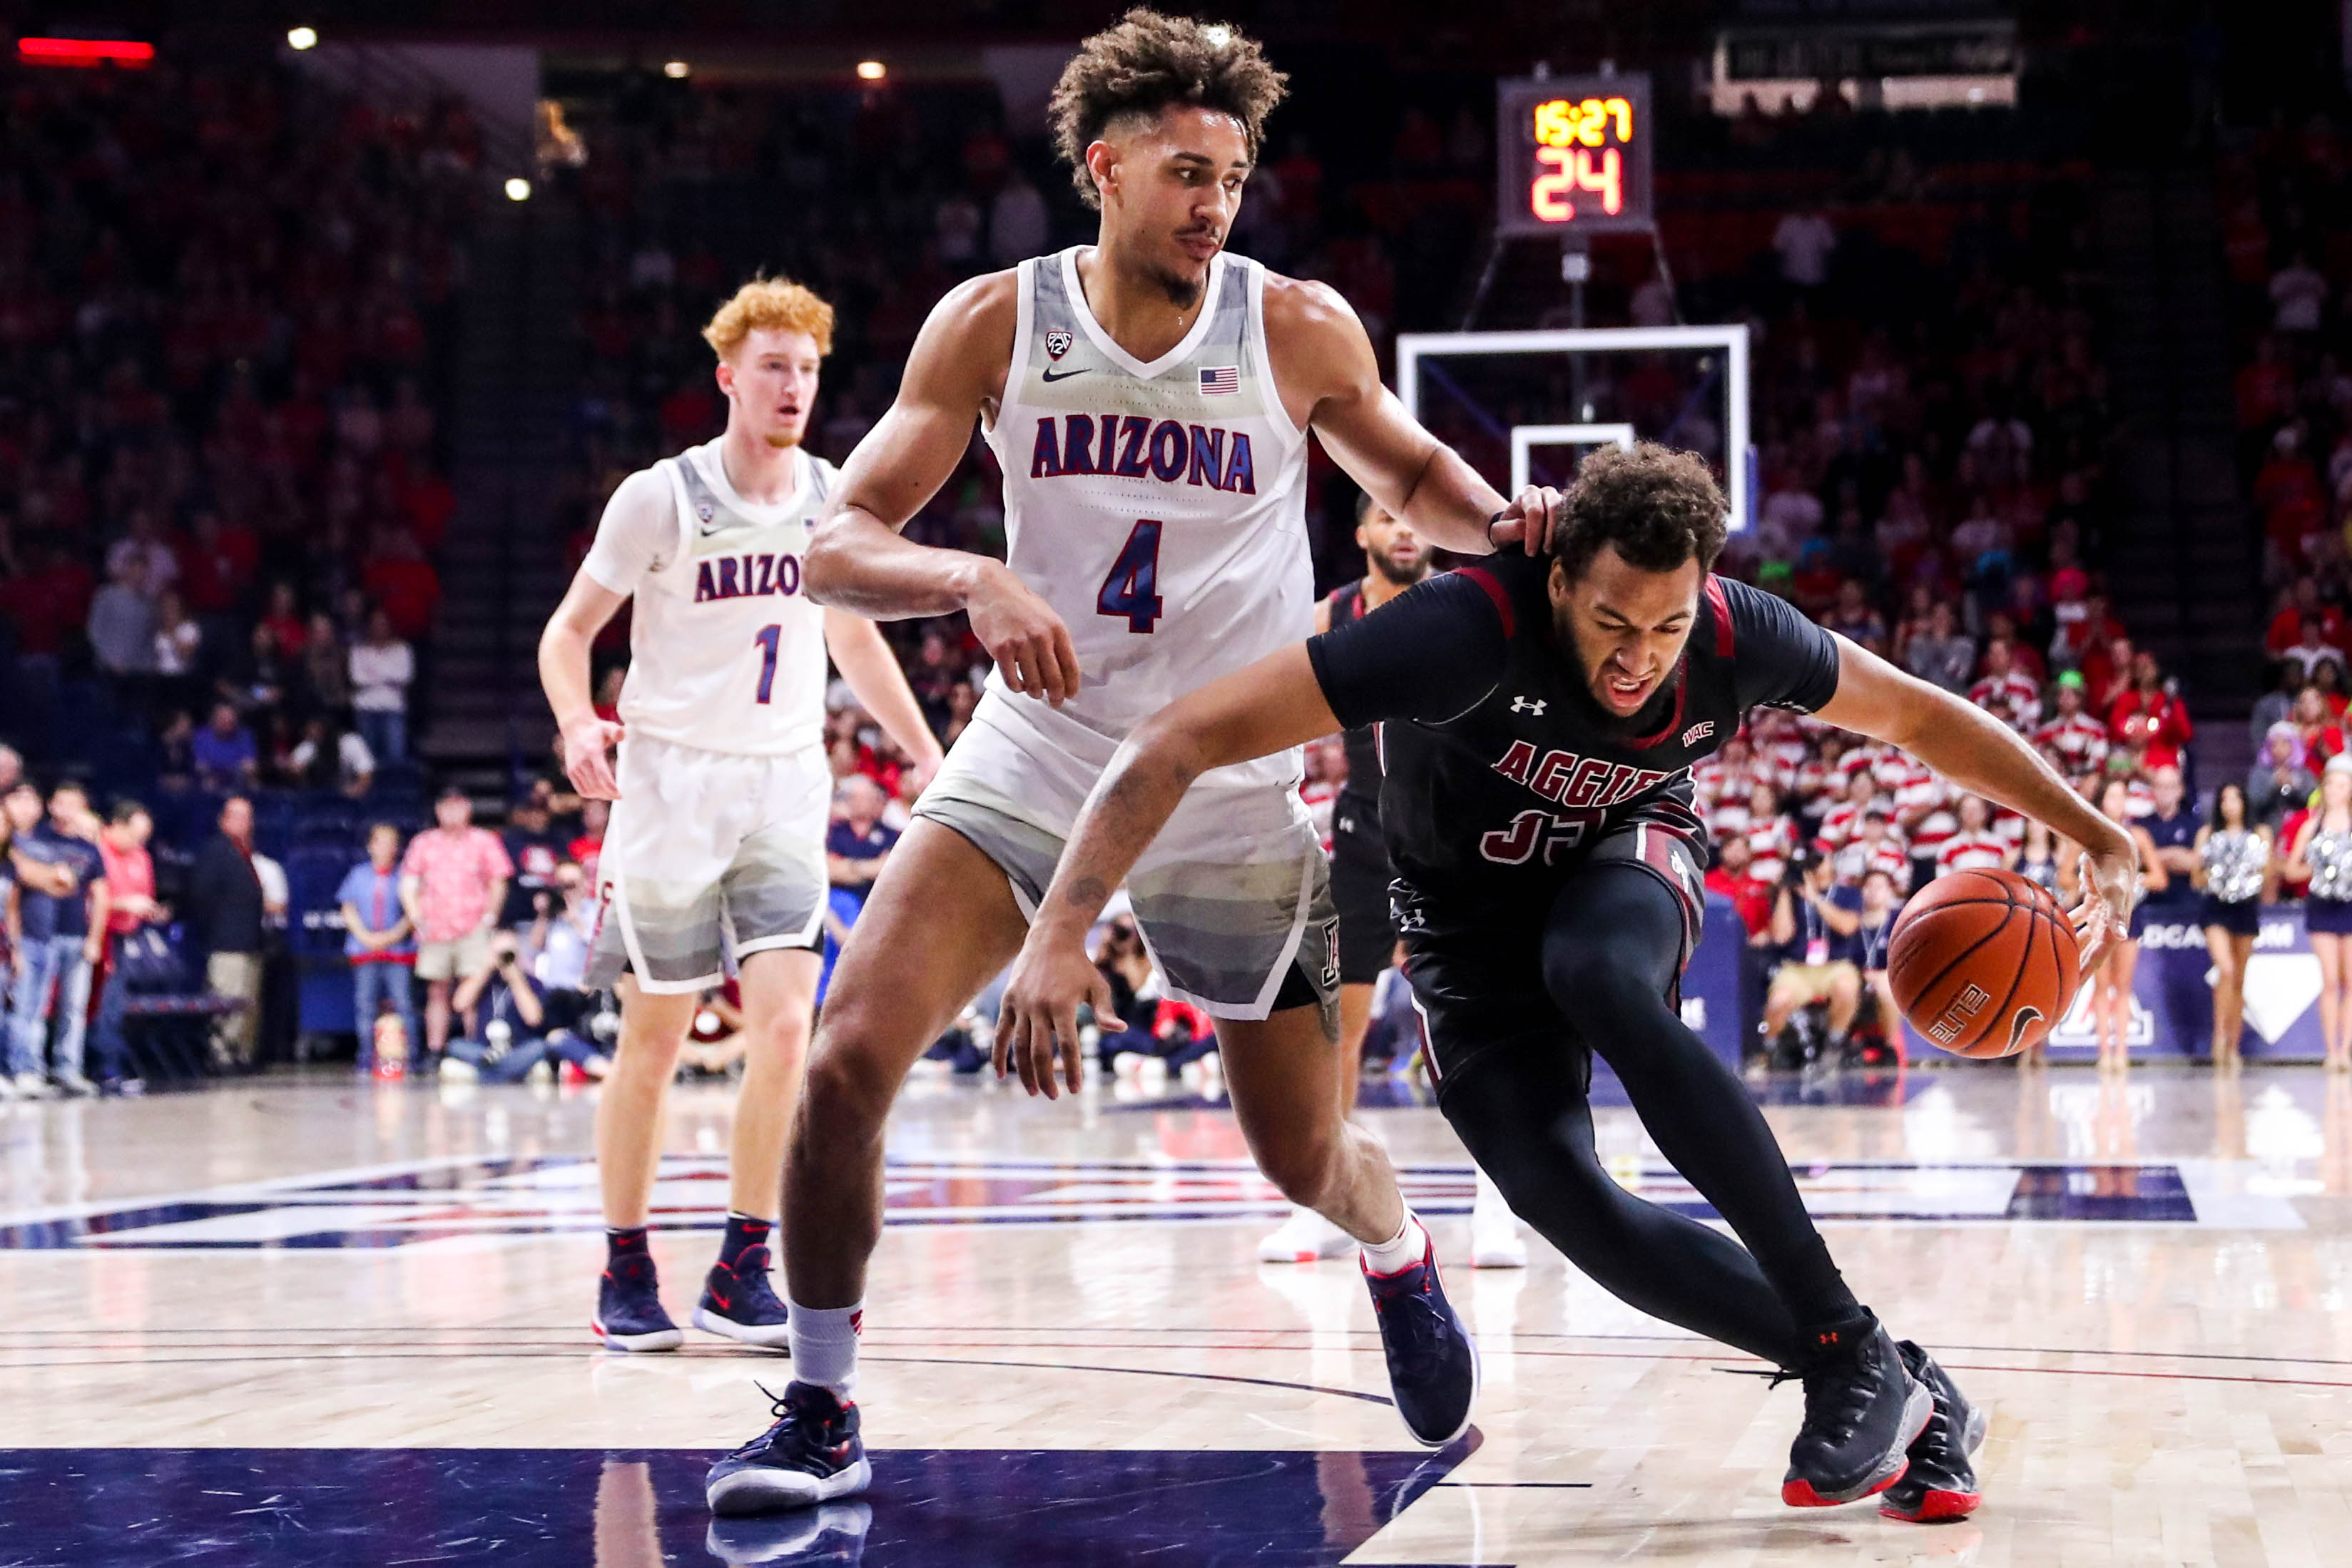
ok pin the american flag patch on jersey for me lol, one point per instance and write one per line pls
(1220, 379)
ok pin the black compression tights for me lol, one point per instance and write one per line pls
(1609, 952)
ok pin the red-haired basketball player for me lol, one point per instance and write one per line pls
(1540, 714)
(716, 846)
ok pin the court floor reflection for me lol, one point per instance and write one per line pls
(376, 1508)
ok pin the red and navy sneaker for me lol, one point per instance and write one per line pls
(1862, 1411)
(1940, 1483)
(629, 1315)
(811, 1456)
(1433, 1362)
(741, 1304)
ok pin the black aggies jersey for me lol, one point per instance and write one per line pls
(1501, 771)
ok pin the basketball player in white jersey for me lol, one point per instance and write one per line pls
(716, 847)
(1149, 398)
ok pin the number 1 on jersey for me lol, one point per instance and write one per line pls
(1130, 590)
(768, 638)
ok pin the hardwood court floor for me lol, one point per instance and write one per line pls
(311, 1321)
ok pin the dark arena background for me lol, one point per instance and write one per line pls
(2017, 337)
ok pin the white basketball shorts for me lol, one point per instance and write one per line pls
(1234, 898)
(708, 854)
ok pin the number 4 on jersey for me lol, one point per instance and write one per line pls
(1130, 590)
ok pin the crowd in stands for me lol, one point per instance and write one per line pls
(260, 496)
(226, 303)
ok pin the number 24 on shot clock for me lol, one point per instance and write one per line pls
(1573, 153)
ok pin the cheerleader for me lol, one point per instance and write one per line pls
(2323, 852)
(2233, 868)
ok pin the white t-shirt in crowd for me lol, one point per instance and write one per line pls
(380, 677)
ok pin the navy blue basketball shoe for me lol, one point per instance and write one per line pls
(1432, 1362)
(1862, 1411)
(741, 1304)
(629, 1315)
(812, 1455)
(1940, 1483)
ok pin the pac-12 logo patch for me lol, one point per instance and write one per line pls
(1699, 731)
(1057, 343)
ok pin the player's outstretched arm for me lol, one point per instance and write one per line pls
(858, 561)
(1271, 706)
(1322, 346)
(1986, 757)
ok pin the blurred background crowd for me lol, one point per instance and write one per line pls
(302, 424)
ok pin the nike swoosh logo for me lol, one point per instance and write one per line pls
(1063, 375)
(2026, 1019)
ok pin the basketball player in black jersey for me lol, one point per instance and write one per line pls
(1540, 717)
(1395, 558)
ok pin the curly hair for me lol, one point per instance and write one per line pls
(1658, 506)
(774, 304)
(1148, 61)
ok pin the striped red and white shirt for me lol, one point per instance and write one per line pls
(1971, 852)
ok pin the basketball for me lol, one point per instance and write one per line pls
(1983, 962)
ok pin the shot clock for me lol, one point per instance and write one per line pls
(1573, 153)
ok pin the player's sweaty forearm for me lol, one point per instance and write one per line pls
(857, 562)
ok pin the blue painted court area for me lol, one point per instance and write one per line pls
(231, 1507)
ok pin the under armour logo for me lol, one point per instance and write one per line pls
(1528, 705)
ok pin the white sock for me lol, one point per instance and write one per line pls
(1403, 1251)
(824, 1346)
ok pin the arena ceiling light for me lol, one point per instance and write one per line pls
(85, 52)
(517, 189)
(301, 38)
(872, 70)
(677, 70)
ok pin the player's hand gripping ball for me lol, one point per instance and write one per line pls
(1983, 962)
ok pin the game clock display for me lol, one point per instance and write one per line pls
(1573, 153)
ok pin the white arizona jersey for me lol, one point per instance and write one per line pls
(726, 652)
(1160, 507)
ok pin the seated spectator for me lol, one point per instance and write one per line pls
(1750, 895)
(1877, 846)
(2310, 648)
(325, 759)
(122, 621)
(223, 753)
(2319, 734)
(1134, 994)
(1944, 655)
(379, 942)
(856, 846)
(2007, 692)
(2279, 781)
(714, 1044)
(587, 848)
(532, 845)
(2150, 716)
(1974, 845)
(382, 668)
(2077, 741)
(1815, 922)
(510, 1037)
(1881, 904)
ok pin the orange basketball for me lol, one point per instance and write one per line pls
(1983, 963)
